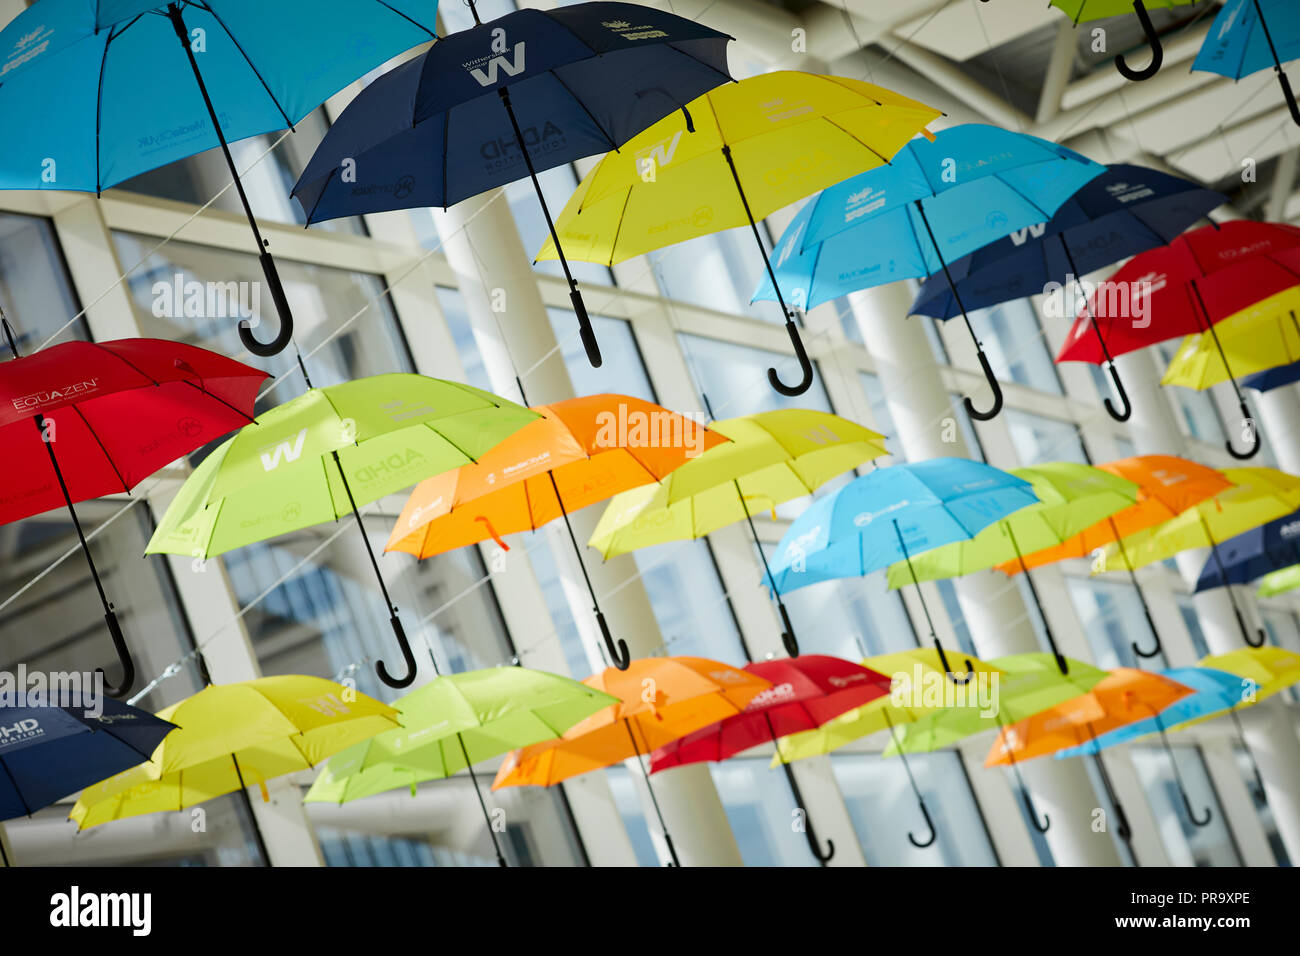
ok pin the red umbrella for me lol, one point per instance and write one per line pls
(1184, 288)
(83, 419)
(806, 692)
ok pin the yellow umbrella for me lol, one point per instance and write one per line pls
(1263, 336)
(733, 156)
(234, 735)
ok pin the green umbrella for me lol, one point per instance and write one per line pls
(454, 722)
(1280, 581)
(1071, 496)
(324, 454)
(1027, 684)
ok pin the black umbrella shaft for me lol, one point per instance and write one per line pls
(1033, 592)
(1132, 574)
(1277, 62)
(907, 767)
(577, 551)
(364, 536)
(1092, 318)
(651, 790)
(956, 296)
(915, 583)
(744, 201)
(252, 817)
(1209, 322)
(487, 817)
(749, 519)
(76, 522)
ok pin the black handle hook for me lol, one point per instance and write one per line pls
(1147, 654)
(788, 639)
(1290, 96)
(1153, 40)
(1033, 813)
(919, 844)
(1254, 434)
(1260, 633)
(585, 329)
(1123, 397)
(997, 393)
(952, 676)
(805, 365)
(277, 344)
(822, 857)
(1191, 814)
(407, 656)
(123, 657)
(618, 654)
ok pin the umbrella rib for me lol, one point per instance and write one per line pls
(107, 457)
(856, 139)
(399, 13)
(329, 488)
(131, 365)
(17, 792)
(256, 72)
(609, 139)
(218, 399)
(618, 229)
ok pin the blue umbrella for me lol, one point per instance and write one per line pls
(1216, 692)
(93, 93)
(934, 203)
(1253, 554)
(56, 747)
(522, 93)
(1272, 378)
(891, 514)
(1252, 35)
(1124, 211)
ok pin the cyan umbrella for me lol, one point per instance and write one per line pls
(1124, 211)
(506, 99)
(1253, 554)
(94, 93)
(1252, 35)
(934, 203)
(890, 515)
(1215, 692)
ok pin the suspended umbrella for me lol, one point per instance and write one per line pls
(321, 456)
(935, 202)
(1279, 582)
(891, 514)
(510, 98)
(1272, 378)
(454, 722)
(1259, 495)
(1252, 35)
(67, 742)
(1167, 486)
(731, 158)
(232, 736)
(1256, 339)
(1124, 696)
(1071, 498)
(1124, 211)
(1085, 11)
(1184, 288)
(909, 670)
(771, 458)
(96, 93)
(81, 420)
(661, 699)
(1027, 684)
(1253, 554)
(580, 452)
(806, 692)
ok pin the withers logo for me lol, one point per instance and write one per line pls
(1021, 236)
(660, 153)
(288, 451)
(488, 77)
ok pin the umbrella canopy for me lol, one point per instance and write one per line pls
(1269, 670)
(1258, 337)
(1252, 35)
(1253, 554)
(1272, 378)
(232, 736)
(1184, 288)
(322, 455)
(934, 203)
(1085, 11)
(731, 158)
(96, 93)
(55, 747)
(1124, 211)
(506, 99)
(1279, 582)
(80, 420)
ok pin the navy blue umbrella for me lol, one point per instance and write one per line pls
(1253, 554)
(48, 752)
(1124, 211)
(1272, 378)
(519, 94)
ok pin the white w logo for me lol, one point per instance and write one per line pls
(500, 62)
(821, 435)
(661, 153)
(271, 460)
(1020, 236)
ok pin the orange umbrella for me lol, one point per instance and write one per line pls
(663, 700)
(1168, 485)
(1123, 696)
(580, 452)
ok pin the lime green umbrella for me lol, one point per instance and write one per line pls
(1071, 496)
(1280, 581)
(454, 722)
(324, 454)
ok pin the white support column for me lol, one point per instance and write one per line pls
(996, 615)
(484, 250)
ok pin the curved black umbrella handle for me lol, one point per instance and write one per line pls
(993, 385)
(952, 676)
(1254, 434)
(1153, 40)
(1121, 819)
(277, 344)
(788, 639)
(922, 844)
(1154, 633)
(813, 845)
(1119, 416)
(1191, 814)
(618, 654)
(1033, 812)
(407, 656)
(1290, 96)
(1260, 633)
(123, 657)
(585, 330)
(805, 365)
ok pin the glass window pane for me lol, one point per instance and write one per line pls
(1112, 618)
(35, 291)
(719, 271)
(1185, 843)
(1038, 438)
(1014, 343)
(735, 377)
